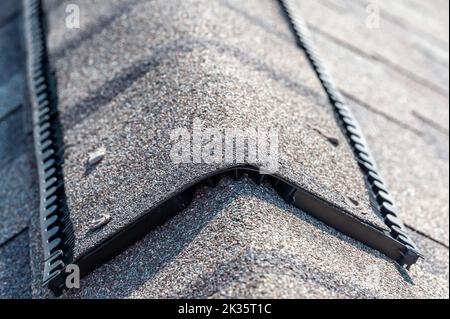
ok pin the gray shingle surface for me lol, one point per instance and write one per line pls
(12, 136)
(16, 178)
(406, 51)
(8, 11)
(241, 240)
(15, 275)
(405, 123)
(395, 95)
(159, 66)
(436, 257)
(18, 195)
(382, 88)
(18, 188)
(410, 165)
(12, 80)
(429, 19)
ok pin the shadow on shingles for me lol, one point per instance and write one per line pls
(111, 89)
(127, 77)
(96, 28)
(161, 247)
(404, 273)
(88, 169)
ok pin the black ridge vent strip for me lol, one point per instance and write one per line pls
(292, 194)
(383, 202)
(56, 228)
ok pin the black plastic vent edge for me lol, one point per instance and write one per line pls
(380, 195)
(56, 228)
(306, 201)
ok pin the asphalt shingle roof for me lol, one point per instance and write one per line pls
(18, 196)
(15, 274)
(405, 122)
(127, 93)
(137, 69)
(18, 178)
(12, 87)
(423, 62)
(241, 240)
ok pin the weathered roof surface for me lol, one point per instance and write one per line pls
(241, 240)
(15, 274)
(272, 249)
(15, 160)
(11, 63)
(405, 121)
(10, 10)
(429, 20)
(417, 161)
(18, 180)
(18, 195)
(424, 61)
(205, 62)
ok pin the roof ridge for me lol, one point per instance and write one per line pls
(377, 187)
(56, 227)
